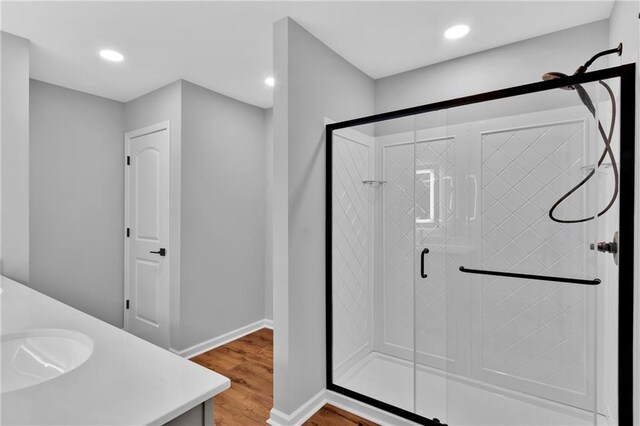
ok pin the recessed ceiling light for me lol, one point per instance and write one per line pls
(270, 81)
(457, 31)
(111, 55)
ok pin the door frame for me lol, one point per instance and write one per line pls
(154, 128)
(627, 75)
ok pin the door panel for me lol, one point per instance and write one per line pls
(147, 192)
(148, 220)
(147, 288)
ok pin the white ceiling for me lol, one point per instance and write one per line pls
(227, 46)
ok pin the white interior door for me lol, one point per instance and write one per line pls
(147, 247)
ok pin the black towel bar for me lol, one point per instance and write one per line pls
(531, 277)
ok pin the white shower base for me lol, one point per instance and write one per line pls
(454, 401)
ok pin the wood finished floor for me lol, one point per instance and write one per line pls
(248, 363)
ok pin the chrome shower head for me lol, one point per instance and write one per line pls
(553, 75)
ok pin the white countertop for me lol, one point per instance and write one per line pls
(126, 380)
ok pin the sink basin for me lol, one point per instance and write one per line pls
(31, 357)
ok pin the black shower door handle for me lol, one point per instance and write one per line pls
(424, 251)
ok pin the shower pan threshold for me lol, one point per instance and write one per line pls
(390, 379)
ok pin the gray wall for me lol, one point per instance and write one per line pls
(14, 242)
(76, 180)
(161, 105)
(77, 204)
(624, 26)
(511, 65)
(268, 214)
(312, 82)
(223, 207)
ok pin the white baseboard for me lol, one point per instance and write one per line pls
(302, 414)
(207, 345)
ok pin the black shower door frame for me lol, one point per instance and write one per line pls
(626, 74)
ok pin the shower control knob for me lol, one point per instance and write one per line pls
(605, 247)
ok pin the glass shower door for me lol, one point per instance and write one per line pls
(435, 224)
(372, 270)
(474, 268)
(525, 337)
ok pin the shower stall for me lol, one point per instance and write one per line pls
(480, 256)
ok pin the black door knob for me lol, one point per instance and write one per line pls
(161, 252)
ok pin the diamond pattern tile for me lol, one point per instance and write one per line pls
(431, 174)
(533, 330)
(351, 239)
(398, 246)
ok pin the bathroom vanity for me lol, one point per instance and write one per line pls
(62, 366)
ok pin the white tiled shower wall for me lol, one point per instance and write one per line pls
(352, 248)
(536, 334)
(483, 190)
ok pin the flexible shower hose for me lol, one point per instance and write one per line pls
(606, 137)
